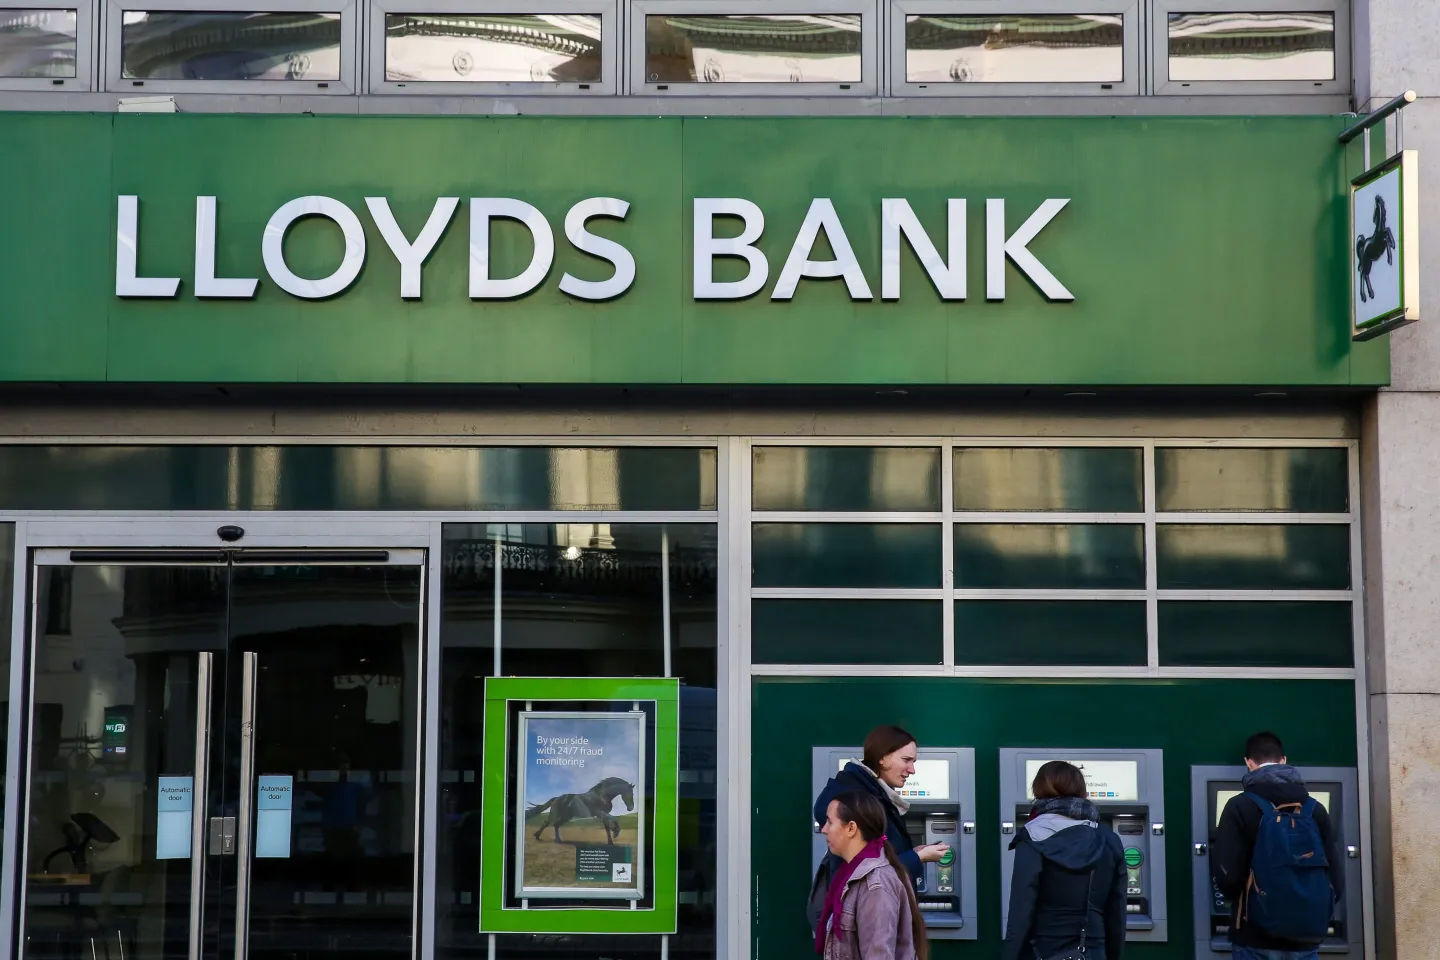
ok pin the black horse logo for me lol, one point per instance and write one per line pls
(593, 804)
(1369, 250)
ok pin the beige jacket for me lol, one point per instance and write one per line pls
(874, 920)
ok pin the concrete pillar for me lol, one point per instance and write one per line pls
(1397, 47)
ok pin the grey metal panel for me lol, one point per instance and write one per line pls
(1350, 840)
(826, 762)
(715, 106)
(472, 421)
(1151, 783)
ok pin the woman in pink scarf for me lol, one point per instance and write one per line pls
(870, 911)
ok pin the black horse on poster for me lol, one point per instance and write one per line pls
(592, 804)
(1369, 250)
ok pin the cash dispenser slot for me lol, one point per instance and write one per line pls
(1211, 789)
(941, 797)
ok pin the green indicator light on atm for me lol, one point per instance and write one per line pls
(947, 858)
(1133, 857)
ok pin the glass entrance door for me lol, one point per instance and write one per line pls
(223, 754)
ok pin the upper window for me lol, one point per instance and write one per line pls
(211, 46)
(1000, 47)
(695, 47)
(529, 47)
(1258, 46)
(44, 47)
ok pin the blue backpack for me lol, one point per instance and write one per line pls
(1288, 894)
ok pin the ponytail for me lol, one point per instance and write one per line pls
(865, 812)
(917, 922)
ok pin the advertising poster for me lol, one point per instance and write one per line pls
(581, 817)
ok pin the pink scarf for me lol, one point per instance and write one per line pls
(833, 899)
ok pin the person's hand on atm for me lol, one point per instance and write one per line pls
(932, 852)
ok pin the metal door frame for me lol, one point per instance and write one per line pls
(49, 542)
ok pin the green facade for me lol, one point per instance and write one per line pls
(1205, 251)
(1194, 721)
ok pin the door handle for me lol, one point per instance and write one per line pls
(199, 794)
(244, 828)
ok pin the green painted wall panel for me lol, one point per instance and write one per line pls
(1193, 721)
(1201, 251)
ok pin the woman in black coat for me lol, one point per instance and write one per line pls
(888, 760)
(1069, 875)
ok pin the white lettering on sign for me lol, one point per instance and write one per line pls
(899, 226)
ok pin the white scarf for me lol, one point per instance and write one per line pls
(900, 803)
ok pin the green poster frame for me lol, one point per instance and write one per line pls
(495, 916)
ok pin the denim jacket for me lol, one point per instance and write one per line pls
(874, 920)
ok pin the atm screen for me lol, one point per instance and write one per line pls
(930, 782)
(1112, 780)
(1223, 797)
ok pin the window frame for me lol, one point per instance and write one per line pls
(1162, 85)
(86, 41)
(608, 84)
(113, 53)
(1129, 86)
(867, 86)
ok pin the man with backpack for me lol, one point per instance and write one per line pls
(1275, 860)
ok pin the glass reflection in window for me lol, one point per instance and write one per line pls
(37, 44)
(191, 45)
(799, 48)
(1252, 46)
(498, 48)
(1029, 48)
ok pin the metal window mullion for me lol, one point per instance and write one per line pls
(847, 593)
(1047, 517)
(740, 874)
(1152, 573)
(1057, 593)
(1362, 703)
(947, 553)
(428, 787)
(940, 670)
(1254, 518)
(800, 516)
(1259, 596)
(16, 779)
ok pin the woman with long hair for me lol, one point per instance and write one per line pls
(1067, 892)
(870, 911)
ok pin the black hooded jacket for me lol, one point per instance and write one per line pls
(1048, 887)
(1234, 847)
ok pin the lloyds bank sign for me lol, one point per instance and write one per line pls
(713, 240)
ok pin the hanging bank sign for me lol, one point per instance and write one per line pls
(899, 226)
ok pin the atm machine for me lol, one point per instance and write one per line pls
(1336, 788)
(942, 810)
(1128, 788)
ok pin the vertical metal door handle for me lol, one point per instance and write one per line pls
(199, 792)
(244, 827)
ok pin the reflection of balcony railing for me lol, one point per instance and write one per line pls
(944, 33)
(1251, 35)
(470, 564)
(513, 31)
(162, 40)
